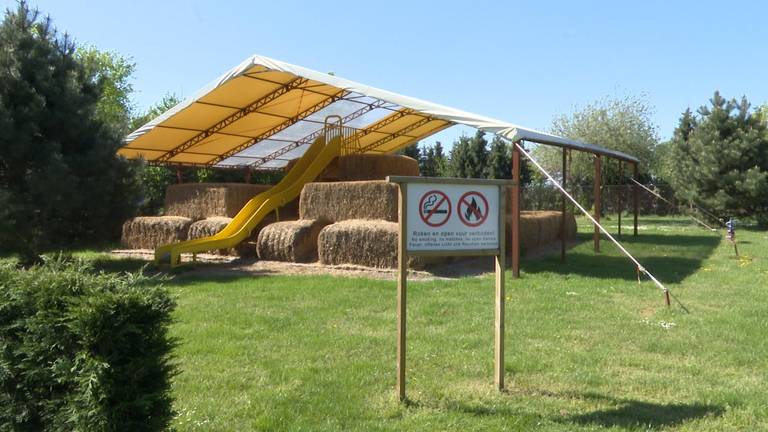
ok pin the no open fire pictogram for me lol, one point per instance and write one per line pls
(472, 209)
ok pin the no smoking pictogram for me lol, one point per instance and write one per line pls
(473, 209)
(435, 208)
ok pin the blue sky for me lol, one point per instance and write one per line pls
(524, 62)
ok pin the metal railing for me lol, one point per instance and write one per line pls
(334, 127)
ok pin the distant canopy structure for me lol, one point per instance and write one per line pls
(263, 113)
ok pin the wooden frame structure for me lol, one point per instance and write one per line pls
(516, 199)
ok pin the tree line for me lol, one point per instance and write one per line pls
(469, 157)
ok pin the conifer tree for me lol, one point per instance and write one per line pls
(60, 178)
(460, 160)
(499, 160)
(478, 155)
(412, 150)
(721, 159)
(441, 161)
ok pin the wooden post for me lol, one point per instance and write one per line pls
(178, 176)
(597, 202)
(248, 174)
(562, 214)
(402, 279)
(516, 211)
(620, 192)
(498, 375)
(635, 195)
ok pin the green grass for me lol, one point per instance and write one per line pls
(588, 348)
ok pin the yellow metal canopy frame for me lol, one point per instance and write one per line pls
(263, 113)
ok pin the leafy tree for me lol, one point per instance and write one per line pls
(154, 179)
(720, 158)
(60, 178)
(114, 72)
(167, 102)
(619, 124)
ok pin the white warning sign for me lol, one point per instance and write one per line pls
(452, 217)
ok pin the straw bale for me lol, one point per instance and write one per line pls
(529, 231)
(340, 201)
(363, 242)
(291, 241)
(539, 228)
(370, 243)
(202, 200)
(359, 167)
(549, 226)
(149, 232)
(207, 227)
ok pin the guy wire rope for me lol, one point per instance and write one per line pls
(586, 213)
(670, 203)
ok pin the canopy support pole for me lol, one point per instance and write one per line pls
(597, 202)
(620, 192)
(562, 213)
(516, 212)
(635, 195)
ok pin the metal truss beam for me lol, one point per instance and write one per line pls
(314, 135)
(288, 122)
(398, 134)
(202, 165)
(253, 106)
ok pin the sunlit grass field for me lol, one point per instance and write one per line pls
(588, 348)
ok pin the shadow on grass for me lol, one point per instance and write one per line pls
(186, 274)
(622, 413)
(679, 256)
(630, 413)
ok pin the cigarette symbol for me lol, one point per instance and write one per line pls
(431, 201)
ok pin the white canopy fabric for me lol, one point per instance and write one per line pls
(264, 112)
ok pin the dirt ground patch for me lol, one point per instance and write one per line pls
(226, 265)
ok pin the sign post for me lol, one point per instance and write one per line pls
(450, 217)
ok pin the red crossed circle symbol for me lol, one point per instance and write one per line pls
(469, 207)
(439, 208)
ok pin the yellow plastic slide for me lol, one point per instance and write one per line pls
(311, 164)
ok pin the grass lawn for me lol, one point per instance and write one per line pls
(588, 348)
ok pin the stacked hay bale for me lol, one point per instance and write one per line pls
(364, 229)
(358, 167)
(202, 200)
(334, 202)
(540, 228)
(371, 204)
(195, 210)
(207, 227)
(364, 213)
(292, 241)
(372, 243)
(148, 232)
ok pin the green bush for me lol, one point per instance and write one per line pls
(83, 350)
